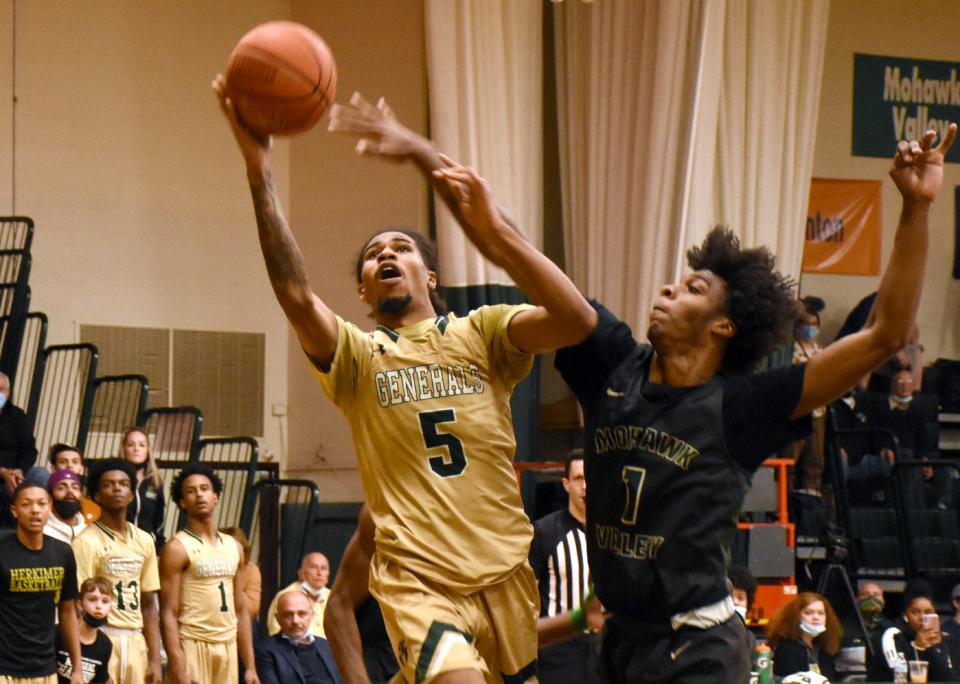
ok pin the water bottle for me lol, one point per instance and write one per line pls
(763, 663)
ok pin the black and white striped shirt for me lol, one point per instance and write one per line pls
(558, 556)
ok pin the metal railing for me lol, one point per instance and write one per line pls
(16, 232)
(61, 395)
(234, 459)
(119, 401)
(174, 435)
(31, 349)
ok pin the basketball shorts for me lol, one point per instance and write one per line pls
(211, 662)
(129, 661)
(49, 679)
(435, 629)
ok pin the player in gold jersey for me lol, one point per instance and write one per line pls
(125, 555)
(427, 396)
(203, 624)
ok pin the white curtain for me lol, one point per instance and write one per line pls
(676, 115)
(485, 68)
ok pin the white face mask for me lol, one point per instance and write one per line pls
(741, 611)
(314, 593)
(811, 629)
(902, 400)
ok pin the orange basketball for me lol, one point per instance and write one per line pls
(281, 78)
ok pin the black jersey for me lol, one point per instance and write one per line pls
(667, 469)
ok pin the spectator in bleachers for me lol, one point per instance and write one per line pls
(312, 578)
(149, 506)
(852, 658)
(916, 635)
(805, 635)
(937, 487)
(809, 452)
(951, 626)
(865, 470)
(65, 456)
(38, 580)
(18, 451)
(898, 414)
(743, 589)
(295, 654)
(251, 581)
(65, 521)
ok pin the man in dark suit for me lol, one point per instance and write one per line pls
(295, 655)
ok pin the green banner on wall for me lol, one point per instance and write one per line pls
(895, 99)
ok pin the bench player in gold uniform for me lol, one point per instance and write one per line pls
(202, 622)
(427, 396)
(113, 548)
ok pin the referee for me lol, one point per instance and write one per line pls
(558, 556)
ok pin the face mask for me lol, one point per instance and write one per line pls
(812, 630)
(66, 510)
(310, 591)
(741, 611)
(305, 639)
(871, 606)
(94, 622)
(3, 400)
(807, 332)
(902, 400)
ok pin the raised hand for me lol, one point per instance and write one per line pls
(917, 168)
(471, 194)
(255, 147)
(381, 133)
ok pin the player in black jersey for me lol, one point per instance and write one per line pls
(675, 429)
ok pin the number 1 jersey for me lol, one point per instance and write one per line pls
(429, 408)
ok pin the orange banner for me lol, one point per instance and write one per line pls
(843, 227)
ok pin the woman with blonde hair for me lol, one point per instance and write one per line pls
(149, 504)
(805, 636)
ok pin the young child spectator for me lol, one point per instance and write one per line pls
(149, 505)
(805, 636)
(93, 607)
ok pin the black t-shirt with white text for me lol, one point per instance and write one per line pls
(95, 656)
(667, 469)
(32, 585)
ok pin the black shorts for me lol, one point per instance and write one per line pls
(576, 660)
(719, 655)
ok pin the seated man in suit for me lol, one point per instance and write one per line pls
(295, 655)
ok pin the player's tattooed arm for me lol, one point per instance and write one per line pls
(314, 323)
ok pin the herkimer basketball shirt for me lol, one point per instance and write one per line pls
(429, 408)
(129, 562)
(207, 608)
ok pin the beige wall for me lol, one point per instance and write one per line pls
(337, 199)
(127, 167)
(920, 29)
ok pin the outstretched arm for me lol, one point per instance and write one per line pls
(349, 592)
(562, 317)
(917, 171)
(313, 321)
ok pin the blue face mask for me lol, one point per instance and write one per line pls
(3, 400)
(807, 332)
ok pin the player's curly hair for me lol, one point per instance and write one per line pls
(785, 624)
(176, 487)
(428, 251)
(97, 468)
(760, 300)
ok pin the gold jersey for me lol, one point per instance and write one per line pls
(129, 562)
(207, 608)
(429, 408)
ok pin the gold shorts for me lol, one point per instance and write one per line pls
(435, 629)
(211, 662)
(129, 661)
(49, 679)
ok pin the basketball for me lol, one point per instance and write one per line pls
(281, 78)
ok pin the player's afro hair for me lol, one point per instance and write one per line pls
(176, 487)
(98, 467)
(428, 252)
(760, 301)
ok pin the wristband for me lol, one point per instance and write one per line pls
(578, 618)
